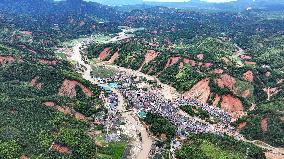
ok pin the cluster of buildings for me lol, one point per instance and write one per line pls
(151, 100)
(212, 111)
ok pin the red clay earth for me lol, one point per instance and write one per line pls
(201, 90)
(80, 116)
(104, 54)
(172, 61)
(232, 105)
(68, 89)
(149, 56)
(188, 61)
(61, 149)
(245, 57)
(241, 125)
(264, 124)
(35, 82)
(216, 100)
(218, 71)
(228, 81)
(245, 93)
(49, 104)
(6, 60)
(207, 65)
(200, 56)
(64, 110)
(113, 57)
(250, 63)
(248, 76)
(48, 62)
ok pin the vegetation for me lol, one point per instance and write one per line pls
(216, 147)
(273, 111)
(159, 125)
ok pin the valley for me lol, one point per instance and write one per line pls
(167, 80)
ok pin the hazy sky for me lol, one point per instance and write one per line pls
(219, 1)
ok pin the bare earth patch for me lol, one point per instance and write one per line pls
(64, 110)
(201, 90)
(216, 100)
(172, 61)
(218, 71)
(188, 61)
(104, 54)
(61, 149)
(233, 106)
(264, 124)
(245, 57)
(49, 104)
(68, 89)
(80, 116)
(245, 93)
(248, 76)
(149, 56)
(48, 62)
(6, 60)
(241, 125)
(113, 57)
(250, 63)
(270, 155)
(200, 56)
(35, 82)
(228, 81)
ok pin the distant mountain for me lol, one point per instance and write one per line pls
(239, 5)
(118, 2)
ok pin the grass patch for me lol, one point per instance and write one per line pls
(113, 150)
(102, 72)
(216, 152)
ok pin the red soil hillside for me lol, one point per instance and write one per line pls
(228, 81)
(68, 89)
(245, 93)
(250, 63)
(35, 82)
(241, 125)
(104, 54)
(172, 61)
(149, 56)
(216, 100)
(6, 60)
(200, 56)
(218, 71)
(248, 76)
(188, 61)
(201, 90)
(114, 57)
(48, 62)
(264, 124)
(232, 105)
(49, 104)
(61, 149)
